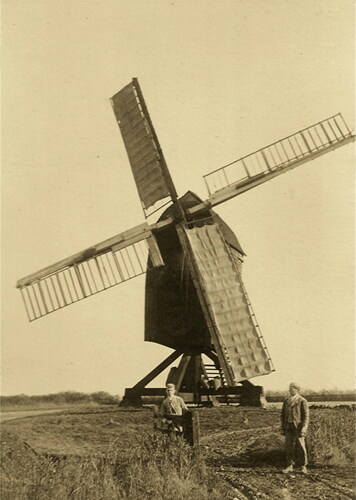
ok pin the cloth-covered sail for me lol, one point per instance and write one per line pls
(228, 303)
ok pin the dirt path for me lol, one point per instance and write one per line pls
(251, 461)
(11, 415)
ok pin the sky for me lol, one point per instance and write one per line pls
(220, 80)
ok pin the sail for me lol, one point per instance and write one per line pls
(90, 271)
(228, 303)
(271, 161)
(144, 152)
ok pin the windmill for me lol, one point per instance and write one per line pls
(196, 302)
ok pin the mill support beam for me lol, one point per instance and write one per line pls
(133, 396)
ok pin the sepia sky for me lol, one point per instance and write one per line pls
(220, 80)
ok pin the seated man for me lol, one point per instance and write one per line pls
(172, 408)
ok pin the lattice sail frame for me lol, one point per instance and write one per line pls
(91, 271)
(281, 155)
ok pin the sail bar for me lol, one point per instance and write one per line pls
(94, 270)
(153, 180)
(277, 158)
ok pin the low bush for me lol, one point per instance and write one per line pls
(156, 467)
(72, 398)
(331, 436)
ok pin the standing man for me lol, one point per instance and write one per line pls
(294, 425)
(173, 408)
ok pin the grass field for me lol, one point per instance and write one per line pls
(112, 453)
